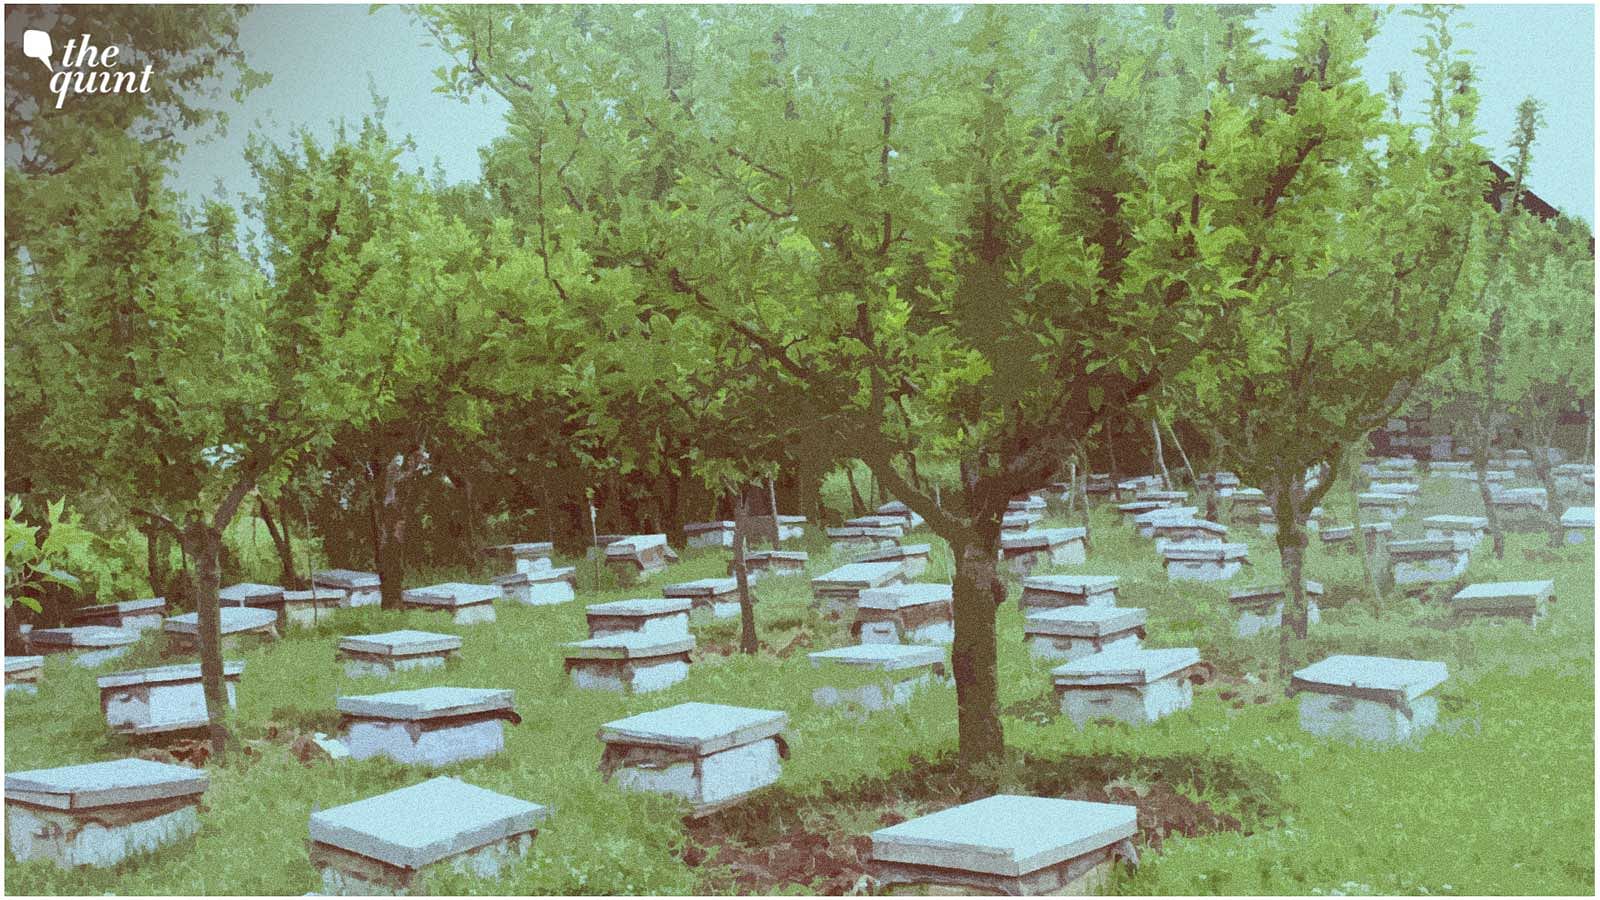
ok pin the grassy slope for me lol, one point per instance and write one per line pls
(1499, 800)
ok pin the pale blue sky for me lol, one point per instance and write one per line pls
(322, 57)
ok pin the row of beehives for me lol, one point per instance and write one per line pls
(329, 856)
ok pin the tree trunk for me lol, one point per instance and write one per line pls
(978, 591)
(1541, 470)
(1161, 458)
(749, 643)
(389, 528)
(916, 477)
(858, 507)
(1291, 552)
(281, 543)
(158, 562)
(1369, 567)
(204, 543)
(1480, 465)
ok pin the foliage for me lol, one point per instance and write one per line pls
(59, 551)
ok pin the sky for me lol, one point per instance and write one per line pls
(326, 60)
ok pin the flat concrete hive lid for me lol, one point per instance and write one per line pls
(346, 578)
(1138, 506)
(1507, 590)
(887, 657)
(1167, 512)
(23, 663)
(1021, 518)
(643, 608)
(889, 554)
(883, 531)
(1394, 487)
(1130, 666)
(1578, 517)
(405, 642)
(1084, 621)
(1257, 592)
(525, 549)
(701, 728)
(893, 508)
(1163, 495)
(1005, 835)
(876, 521)
(1189, 524)
(245, 591)
(109, 783)
(859, 575)
(426, 703)
(234, 619)
(424, 823)
(628, 645)
(537, 576)
(1077, 585)
(315, 595)
(704, 587)
(1428, 546)
(149, 604)
(453, 593)
(1457, 521)
(1189, 551)
(900, 596)
(84, 636)
(799, 556)
(1380, 498)
(165, 674)
(637, 543)
(697, 527)
(1414, 677)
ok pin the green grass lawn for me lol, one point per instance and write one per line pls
(1499, 799)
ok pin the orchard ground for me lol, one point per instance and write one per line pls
(1233, 797)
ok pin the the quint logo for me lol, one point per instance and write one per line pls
(84, 68)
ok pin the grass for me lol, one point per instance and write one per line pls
(1499, 799)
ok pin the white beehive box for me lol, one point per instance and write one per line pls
(1143, 521)
(1385, 507)
(1067, 633)
(1007, 845)
(1024, 552)
(708, 534)
(1427, 562)
(1261, 608)
(306, 609)
(912, 557)
(898, 671)
(431, 726)
(905, 613)
(129, 615)
(1136, 686)
(23, 674)
(1524, 600)
(1371, 698)
(1444, 528)
(709, 754)
(160, 700)
(1577, 524)
(718, 597)
(87, 645)
(837, 590)
(663, 619)
(240, 626)
(465, 604)
(523, 557)
(629, 663)
(381, 844)
(98, 814)
(360, 588)
(762, 563)
(539, 586)
(1203, 562)
(381, 655)
(853, 539)
(1018, 521)
(1052, 591)
(638, 555)
(250, 594)
(909, 518)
